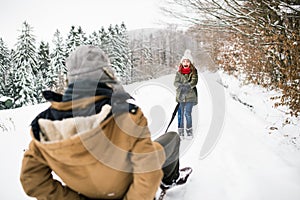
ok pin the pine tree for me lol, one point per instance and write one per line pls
(105, 40)
(4, 67)
(94, 39)
(119, 53)
(24, 68)
(75, 39)
(126, 62)
(10, 76)
(113, 52)
(81, 36)
(72, 41)
(43, 59)
(58, 68)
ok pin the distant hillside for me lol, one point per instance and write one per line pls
(140, 33)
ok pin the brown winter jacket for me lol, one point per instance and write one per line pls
(100, 156)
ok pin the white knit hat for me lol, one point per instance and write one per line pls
(187, 55)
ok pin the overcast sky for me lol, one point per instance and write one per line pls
(45, 16)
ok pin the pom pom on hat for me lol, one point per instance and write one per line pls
(187, 55)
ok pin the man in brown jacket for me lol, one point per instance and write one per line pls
(95, 141)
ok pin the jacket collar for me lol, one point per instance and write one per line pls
(79, 90)
(81, 100)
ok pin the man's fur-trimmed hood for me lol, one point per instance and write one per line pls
(51, 131)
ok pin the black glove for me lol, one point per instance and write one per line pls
(183, 89)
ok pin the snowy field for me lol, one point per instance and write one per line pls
(242, 150)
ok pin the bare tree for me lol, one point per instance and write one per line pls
(258, 38)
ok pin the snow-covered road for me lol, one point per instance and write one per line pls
(244, 162)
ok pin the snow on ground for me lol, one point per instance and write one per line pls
(235, 154)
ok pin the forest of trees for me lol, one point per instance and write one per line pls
(32, 67)
(257, 41)
(157, 52)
